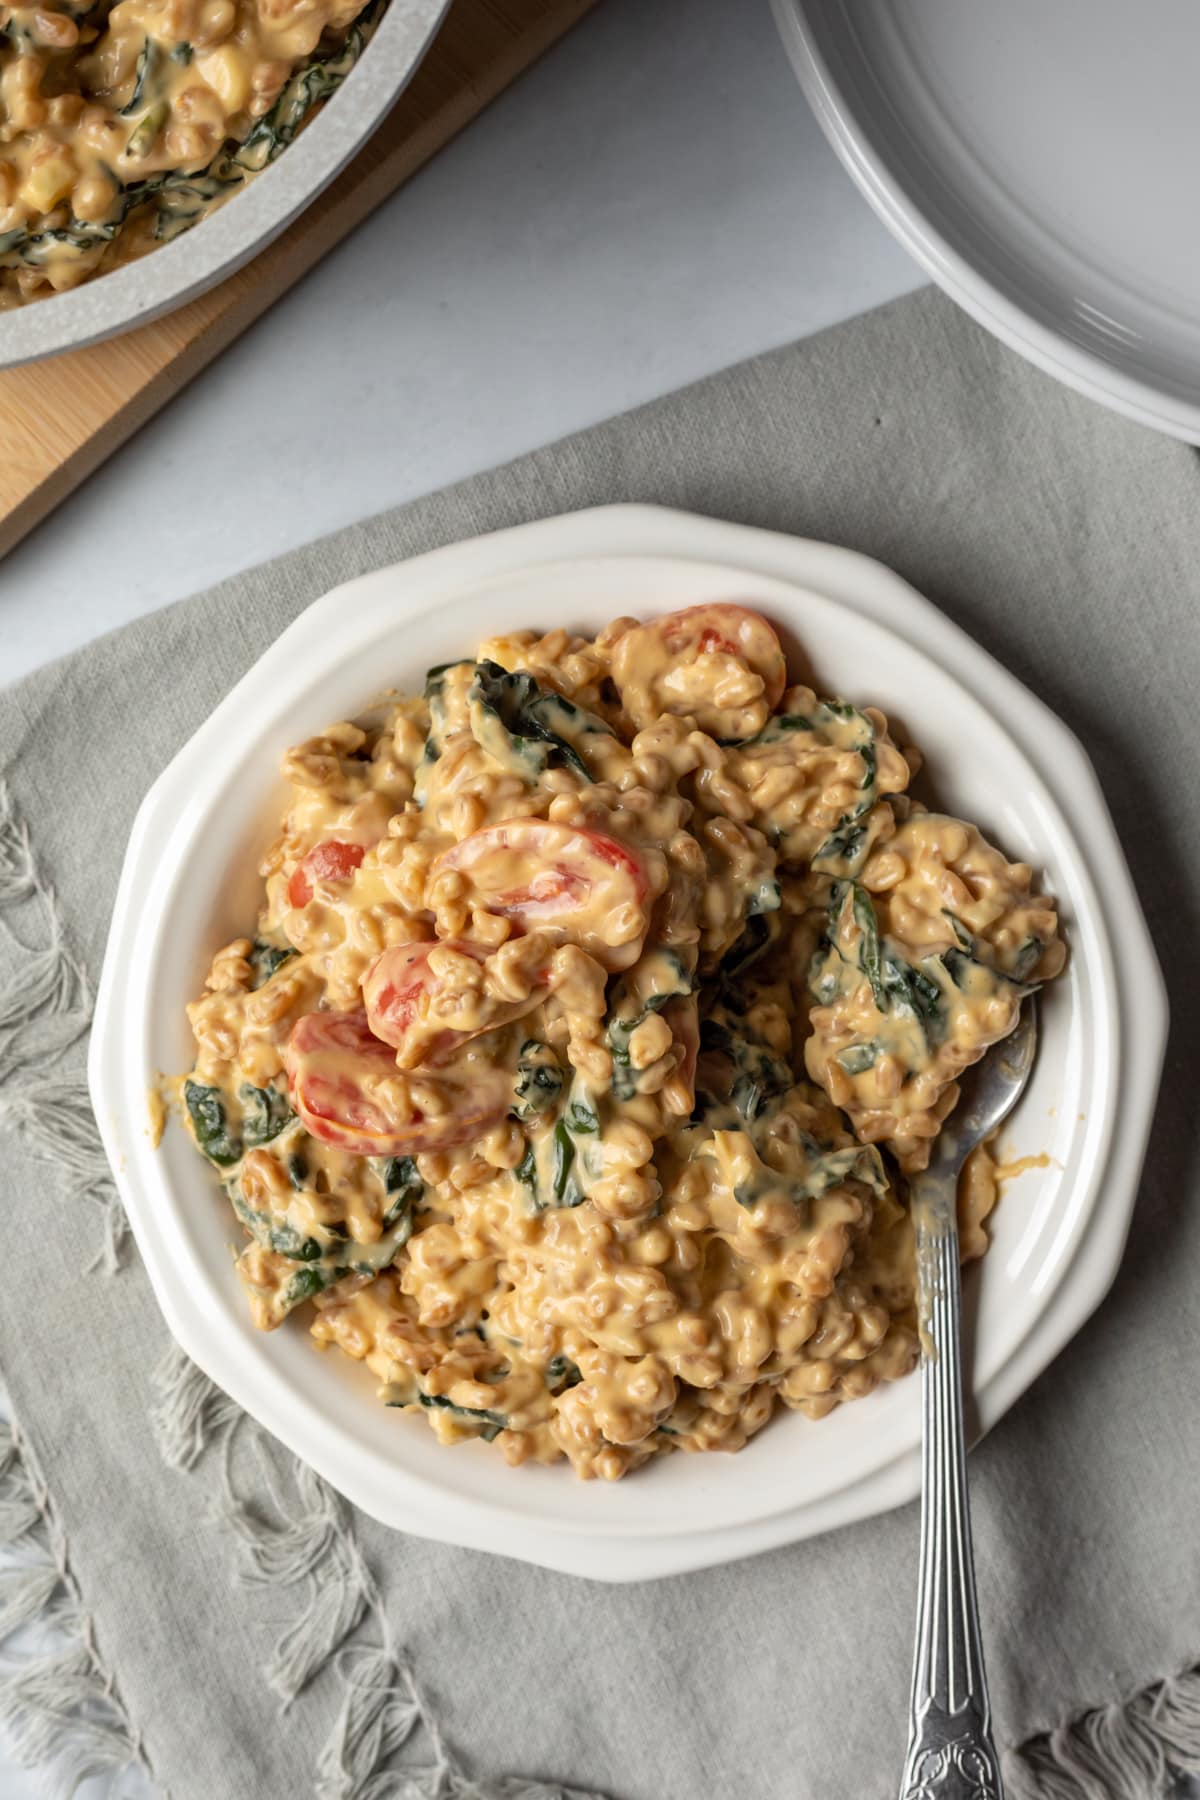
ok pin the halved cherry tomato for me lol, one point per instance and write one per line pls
(338, 1072)
(560, 877)
(400, 988)
(694, 663)
(729, 631)
(330, 861)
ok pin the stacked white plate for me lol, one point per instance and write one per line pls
(1039, 158)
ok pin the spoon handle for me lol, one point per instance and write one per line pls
(950, 1751)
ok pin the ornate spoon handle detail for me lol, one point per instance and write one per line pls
(950, 1751)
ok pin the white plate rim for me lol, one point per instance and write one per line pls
(874, 592)
(955, 273)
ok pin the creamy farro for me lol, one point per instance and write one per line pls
(123, 125)
(600, 1003)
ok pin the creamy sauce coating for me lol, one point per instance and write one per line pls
(598, 1003)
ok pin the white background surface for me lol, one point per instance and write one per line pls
(649, 204)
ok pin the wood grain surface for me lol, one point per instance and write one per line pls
(60, 418)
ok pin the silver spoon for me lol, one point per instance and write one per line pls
(951, 1755)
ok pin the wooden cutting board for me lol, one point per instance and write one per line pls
(59, 419)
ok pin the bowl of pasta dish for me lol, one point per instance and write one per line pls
(549, 1030)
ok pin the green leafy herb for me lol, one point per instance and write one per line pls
(512, 716)
(631, 1005)
(895, 982)
(210, 1124)
(491, 1424)
(567, 1192)
(555, 1165)
(858, 1058)
(343, 1257)
(767, 897)
(869, 959)
(761, 932)
(265, 959)
(400, 1175)
(148, 64)
(966, 967)
(780, 725)
(302, 1286)
(845, 847)
(142, 137)
(184, 199)
(265, 1113)
(757, 1077)
(539, 1080)
(435, 678)
(958, 965)
(308, 88)
(910, 987)
(405, 1190)
(37, 247)
(826, 1169)
(1027, 959)
(274, 1231)
(561, 1374)
(582, 1118)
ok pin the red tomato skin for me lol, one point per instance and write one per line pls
(725, 626)
(393, 985)
(333, 1108)
(552, 883)
(569, 863)
(333, 860)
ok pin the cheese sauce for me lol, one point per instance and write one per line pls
(599, 1002)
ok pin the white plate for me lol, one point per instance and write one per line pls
(994, 751)
(229, 237)
(1038, 158)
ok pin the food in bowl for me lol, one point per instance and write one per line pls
(122, 126)
(600, 1001)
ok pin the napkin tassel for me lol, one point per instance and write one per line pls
(1132, 1749)
(190, 1413)
(44, 1010)
(298, 1540)
(58, 1708)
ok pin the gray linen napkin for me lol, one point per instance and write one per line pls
(1066, 541)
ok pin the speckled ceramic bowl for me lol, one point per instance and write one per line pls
(237, 231)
